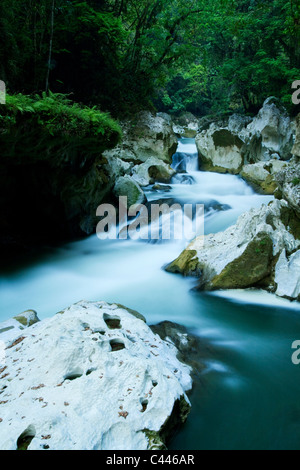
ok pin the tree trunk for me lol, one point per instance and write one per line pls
(50, 45)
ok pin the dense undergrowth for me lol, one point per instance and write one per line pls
(42, 124)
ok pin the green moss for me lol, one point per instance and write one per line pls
(296, 181)
(39, 126)
(159, 439)
(155, 442)
(22, 320)
(58, 114)
(225, 138)
(269, 186)
(24, 443)
(28, 320)
(8, 328)
(189, 133)
(186, 264)
(25, 438)
(251, 267)
(291, 221)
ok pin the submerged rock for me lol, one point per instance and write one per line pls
(93, 377)
(192, 350)
(161, 187)
(248, 254)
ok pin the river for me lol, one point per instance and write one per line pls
(248, 396)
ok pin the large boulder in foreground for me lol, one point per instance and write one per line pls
(261, 250)
(93, 377)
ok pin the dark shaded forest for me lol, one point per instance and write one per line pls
(202, 56)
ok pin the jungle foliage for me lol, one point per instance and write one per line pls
(173, 55)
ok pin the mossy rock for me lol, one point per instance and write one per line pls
(160, 173)
(225, 138)
(126, 186)
(254, 265)
(269, 186)
(158, 440)
(154, 439)
(186, 264)
(7, 328)
(27, 318)
(189, 133)
(291, 221)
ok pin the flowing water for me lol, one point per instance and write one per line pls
(248, 394)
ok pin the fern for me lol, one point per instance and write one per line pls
(52, 120)
(59, 115)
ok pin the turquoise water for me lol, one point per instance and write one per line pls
(248, 395)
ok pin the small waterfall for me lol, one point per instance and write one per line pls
(186, 159)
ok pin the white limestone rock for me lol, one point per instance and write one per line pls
(288, 180)
(153, 170)
(229, 144)
(209, 258)
(287, 275)
(14, 326)
(220, 150)
(93, 377)
(271, 131)
(115, 167)
(237, 123)
(147, 135)
(262, 174)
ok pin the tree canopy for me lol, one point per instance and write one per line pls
(173, 55)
